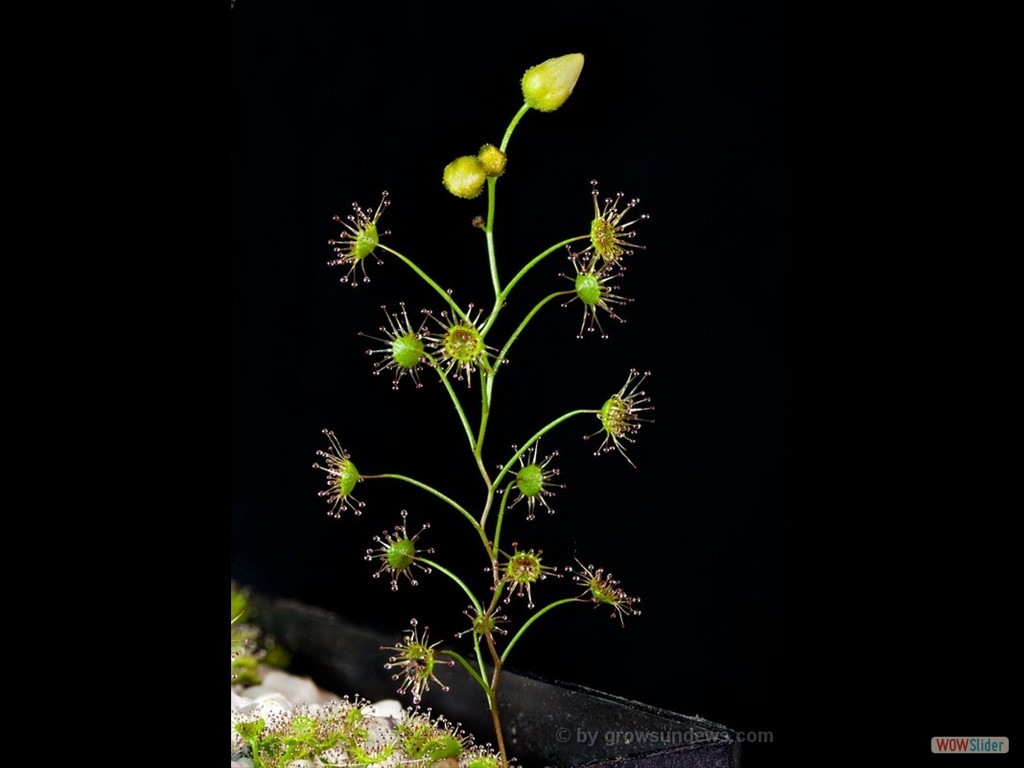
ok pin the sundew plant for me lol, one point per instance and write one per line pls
(455, 344)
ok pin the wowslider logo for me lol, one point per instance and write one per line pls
(970, 745)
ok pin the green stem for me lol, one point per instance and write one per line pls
(498, 592)
(532, 619)
(490, 495)
(501, 514)
(543, 431)
(479, 657)
(489, 237)
(456, 579)
(488, 372)
(487, 389)
(487, 505)
(522, 273)
(455, 401)
(490, 389)
(441, 291)
(475, 675)
(512, 126)
(492, 183)
(504, 350)
(485, 413)
(454, 504)
(492, 699)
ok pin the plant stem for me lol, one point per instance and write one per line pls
(489, 237)
(454, 504)
(498, 591)
(485, 412)
(488, 372)
(512, 126)
(456, 402)
(492, 700)
(486, 385)
(496, 719)
(535, 438)
(532, 619)
(480, 658)
(456, 579)
(476, 675)
(490, 495)
(504, 350)
(443, 293)
(501, 516)
(522, 273)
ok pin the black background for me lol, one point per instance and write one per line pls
(691, 112)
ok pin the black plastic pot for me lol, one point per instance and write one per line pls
(546, 723)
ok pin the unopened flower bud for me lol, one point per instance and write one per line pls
(464, 177)
(492, 159)
(547, 86)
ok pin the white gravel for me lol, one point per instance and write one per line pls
(281, 693)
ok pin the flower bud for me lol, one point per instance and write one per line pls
(464, 177)
(547, 86)
(492, 159)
